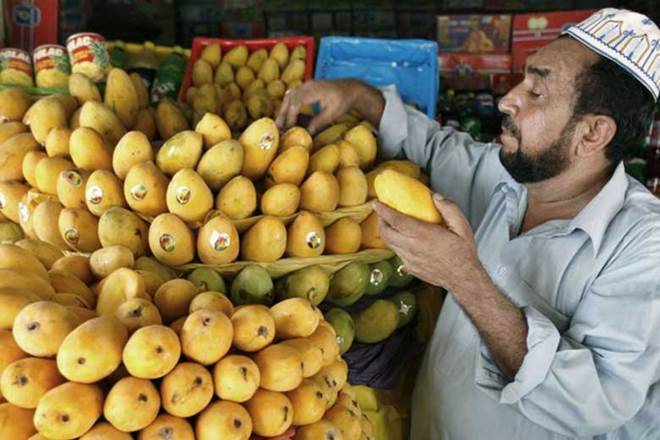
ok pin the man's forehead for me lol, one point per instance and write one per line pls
(561, 59)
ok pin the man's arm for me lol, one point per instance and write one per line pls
(447, 257)
(587, 381)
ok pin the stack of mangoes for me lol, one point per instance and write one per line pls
(113, 337)
(244, 86)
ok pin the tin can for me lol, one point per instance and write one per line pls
(15, 67)
(51, 65)
(88, 55)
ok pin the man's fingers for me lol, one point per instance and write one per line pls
(292, 113)
(453, 217)
(321, 120)
(284, 108)
(401, 222)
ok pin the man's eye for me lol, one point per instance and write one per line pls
(534, 94)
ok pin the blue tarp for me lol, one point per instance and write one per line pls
(411, 65)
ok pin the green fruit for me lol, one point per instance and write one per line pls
(400, 277)
(207, 279)
(344, 326)
(152, 265)
(377, 322)
(10, 232)
(379, 278)
(253, 285)
(311, 283)
(406, 302)
(349, 284)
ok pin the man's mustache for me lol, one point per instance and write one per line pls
(508, 125)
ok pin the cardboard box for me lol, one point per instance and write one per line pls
(467, 64)
(474, 33)
(31, 23)
(531, 31)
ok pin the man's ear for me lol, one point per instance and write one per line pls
(595, 133)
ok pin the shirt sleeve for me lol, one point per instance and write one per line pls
(594, 377)
(460, 168)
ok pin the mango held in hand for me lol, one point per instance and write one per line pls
(406, 195)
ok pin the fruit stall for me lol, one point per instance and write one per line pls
(174, 266)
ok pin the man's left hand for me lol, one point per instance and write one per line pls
(442, 255)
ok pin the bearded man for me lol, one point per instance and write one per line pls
(550, 252)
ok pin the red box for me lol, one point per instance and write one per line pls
(531, 31)
(466, 64)
(474, 33)
(199, 43)
(31, 23)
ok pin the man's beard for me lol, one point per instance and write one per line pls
(525, 168)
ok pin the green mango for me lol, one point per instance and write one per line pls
(207, 279)
(406, 302)
(344, 326)
(349, 284)
(379, 278)
(400, 277)
(152, 265)
(311, 283)
(252, 285)
(377, 322)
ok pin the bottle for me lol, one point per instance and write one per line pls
(145, 63)
(169, 76)
(118, 56)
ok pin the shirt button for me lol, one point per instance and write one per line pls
(501, 272)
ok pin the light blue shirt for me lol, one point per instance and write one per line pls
(589, 288)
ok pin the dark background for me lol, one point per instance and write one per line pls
(170, 22)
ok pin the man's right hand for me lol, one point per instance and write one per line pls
(335, 99)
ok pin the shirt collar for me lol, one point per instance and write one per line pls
(595, 218)
(599, 212)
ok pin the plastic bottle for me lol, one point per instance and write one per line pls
(169, 76)
(118, 56)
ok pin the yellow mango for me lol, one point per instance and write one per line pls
(57, 142)
(89, 150)
(343, 237)
(121, 96)
(352, 186)
(213, 130)
(45, 222)
(224, 74)
(265, 241)
(407, 195)
(99, 117)
(12, 153)
(47, 172)
(218, 241)
(71, 186)
(79, 229)
(326, 159)
(83, 89)
(11, 194)
(145, 189)
(305, 236)
(221, 163)
(133, 148)
(320, 192)
(371, 233)
(171, 241)
(104, 190)
(281, 200)
(296, 136)
(170, 120)
(260, 142)
(289, 167)
(364, 143)
(118, 226)
(14, 103)
(237, 199)
(183, 150)
(45, 114)
(237, 56)
(145, 122)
